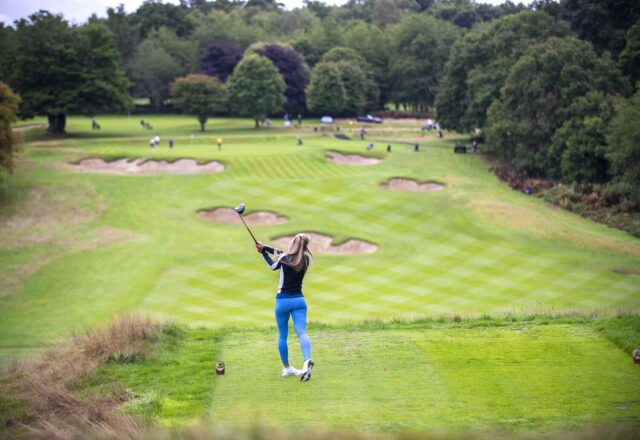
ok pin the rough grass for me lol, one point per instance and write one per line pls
(45, 397)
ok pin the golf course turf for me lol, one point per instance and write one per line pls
(79, 248)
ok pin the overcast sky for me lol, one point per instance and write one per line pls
(77, 11)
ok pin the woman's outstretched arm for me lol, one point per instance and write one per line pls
(265, 251)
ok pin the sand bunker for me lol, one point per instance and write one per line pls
(322, 244)
(144, 166)
(400, 184)
(351, 159)
(229, 215)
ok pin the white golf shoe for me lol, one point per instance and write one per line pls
(290, 371)
(306, 370)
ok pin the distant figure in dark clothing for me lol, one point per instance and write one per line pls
(416, 147)
(362, 132)
(141, 124)
(299, 139)
(171, 144)
(389, 148)
(439, 134)
(474, 146)
(299, 119)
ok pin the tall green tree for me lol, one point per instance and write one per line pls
(354, 83)
(543, 92)
(62, 70)
(158, 60)
(321, 37)
(372, 44)
(125, 35)
(9, 44)
(624, 150)
(419, 48)
(8, 110)
(201, 95)
(256, 88)
(344, 55)
(603, 23)
(630, 56)
(154, 15)
(326, 94)
(480, 62)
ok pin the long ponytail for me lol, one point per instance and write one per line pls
(299, 255)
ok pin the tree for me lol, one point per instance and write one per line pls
(480, 62)
(373, 45)
(9, 44)
(219, 59)
(153, 15)
(325, 94)
(200, 95)
(384, 13)
(322, 36)
(603, 23)
(354, 83)
(371, 94)
(624, 150)
(578, 147)
(295, 74)
(419, 47)
(125, 35)
(158, 60)
(61, 70)
(630, 56)
(543, 92)
(256, 88)
(8, 109)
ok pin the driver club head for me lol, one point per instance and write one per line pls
(240, 208)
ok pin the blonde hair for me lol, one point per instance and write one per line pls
(300, 255)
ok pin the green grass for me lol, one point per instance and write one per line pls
(78, 248)
(517, 374)
(108, 244)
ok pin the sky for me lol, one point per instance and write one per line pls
(77, 11)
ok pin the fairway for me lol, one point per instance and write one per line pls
(79, 247)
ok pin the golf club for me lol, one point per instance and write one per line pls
(240, 209)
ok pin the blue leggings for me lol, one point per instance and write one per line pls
(297, 308)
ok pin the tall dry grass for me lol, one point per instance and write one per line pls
(48, 390)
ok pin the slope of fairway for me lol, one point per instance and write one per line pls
(77, 248)
(517, 375)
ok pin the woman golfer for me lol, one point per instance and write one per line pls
(293, 265)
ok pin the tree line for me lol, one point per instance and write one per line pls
(543, 84)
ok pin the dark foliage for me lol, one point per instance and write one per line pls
(295, 74)
(604, 23)
(152, 15)
(64, 70)
(219, 59)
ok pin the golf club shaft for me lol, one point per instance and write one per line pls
(245, 225)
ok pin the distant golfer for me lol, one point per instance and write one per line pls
(219, 140)
(293, 266)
